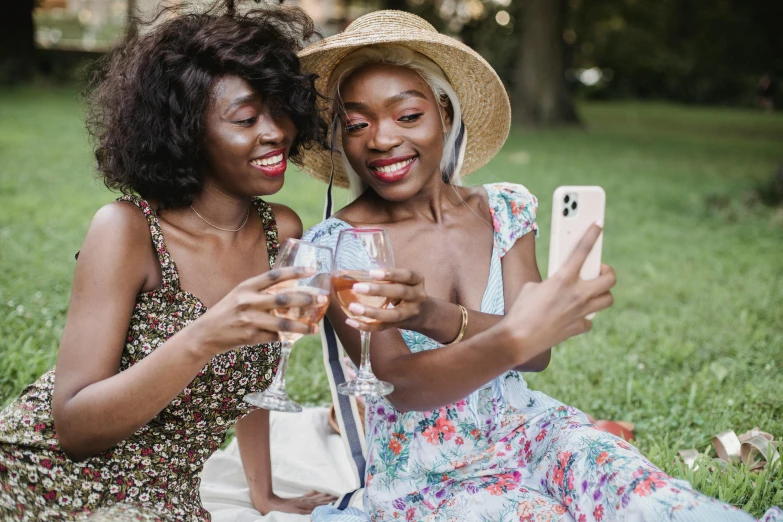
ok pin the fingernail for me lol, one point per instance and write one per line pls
(315, 329)
(352, 323)
(361, 288)
(600, 223)
(321, 299)
(356, 308)
(377, 273)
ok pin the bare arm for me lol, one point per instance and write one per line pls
(253, 438)
(442, 320)
(520, 267)
(289, 225)
(94, 405)
(542, 315)
(253, 430)
(426, 380)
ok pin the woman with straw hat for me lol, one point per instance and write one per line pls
(463, 437)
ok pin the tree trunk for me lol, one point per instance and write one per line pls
(399, 5)
(540, 95)
(132, 15)
(17, 41)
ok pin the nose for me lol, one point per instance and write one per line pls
(271, 130)
(385, 137)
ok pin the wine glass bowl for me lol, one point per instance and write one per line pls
(342, 287)
(296, 253)
(310, 315)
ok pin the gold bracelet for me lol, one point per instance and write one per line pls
(463, 328)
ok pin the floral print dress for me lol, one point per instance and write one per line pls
(507, 452)
(154, 473)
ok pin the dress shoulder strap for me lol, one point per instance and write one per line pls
(270, 228)
(169, 272)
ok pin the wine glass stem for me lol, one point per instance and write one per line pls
(365, 370)
(278, 384)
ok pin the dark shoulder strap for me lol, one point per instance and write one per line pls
(270, 228)
(169, 273)
(346, 410)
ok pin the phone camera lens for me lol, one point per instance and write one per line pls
(567, 199)
(565, 211)
(573, 205)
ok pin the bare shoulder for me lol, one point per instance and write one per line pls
(119, 239)
(289, 225)
(476, 198)
(121, 222)
(474, 194)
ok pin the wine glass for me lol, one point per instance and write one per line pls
(295, 253)
(360, 250)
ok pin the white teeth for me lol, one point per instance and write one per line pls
(266, 162)
(394, 167)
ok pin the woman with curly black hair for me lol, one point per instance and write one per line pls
(191, 121)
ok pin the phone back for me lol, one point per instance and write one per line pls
(574, 209)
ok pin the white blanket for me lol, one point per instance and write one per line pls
(306, 455)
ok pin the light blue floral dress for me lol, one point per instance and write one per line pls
(507, 452)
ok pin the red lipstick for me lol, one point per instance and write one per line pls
(389, 170)
(272, 164)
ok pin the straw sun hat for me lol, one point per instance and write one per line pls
(486, 112)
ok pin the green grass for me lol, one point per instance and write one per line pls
(693, 345)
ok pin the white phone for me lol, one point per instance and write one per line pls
(574, 209)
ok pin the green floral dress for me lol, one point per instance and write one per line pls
(154, 473)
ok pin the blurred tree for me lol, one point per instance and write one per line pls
(700, 51)
(399, 5)
(17, 41)
(132, 14)
(523, 41)
(540, 95)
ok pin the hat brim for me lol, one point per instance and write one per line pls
(486, 111)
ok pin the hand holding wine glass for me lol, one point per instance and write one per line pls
(244, 316)
(360, 251)
(404, 304)
(318, 260)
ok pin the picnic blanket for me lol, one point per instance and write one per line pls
(306, 455)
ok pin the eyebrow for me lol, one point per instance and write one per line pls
(411, 93)
(242, 100)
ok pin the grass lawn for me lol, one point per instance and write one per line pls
(693, 345)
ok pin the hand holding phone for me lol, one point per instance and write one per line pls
(547, 313)
(574, 209)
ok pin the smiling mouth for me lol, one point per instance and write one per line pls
(269, 162)
(390, 172)
(273, 164)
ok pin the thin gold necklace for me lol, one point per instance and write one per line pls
(220, 228)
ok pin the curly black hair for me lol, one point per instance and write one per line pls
(147, 99)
